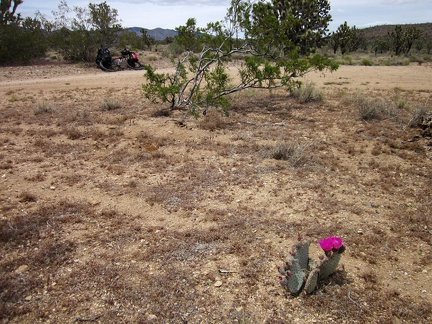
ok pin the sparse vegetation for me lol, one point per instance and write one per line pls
(307, 92)
(43, 108)
(371, 108)
(110, 104)
(95, 205)
(295, 153)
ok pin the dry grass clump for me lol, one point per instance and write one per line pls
(44, 108)
(110, 104)
(212, 120)
(295, 153)
(26, 196)
(419, 116)
(308, 92)
(73, 133)
(370, 108)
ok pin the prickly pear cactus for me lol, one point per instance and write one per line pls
(295, 268)
(301, 252)
(301, 272)
(328, 265)
(312, 281)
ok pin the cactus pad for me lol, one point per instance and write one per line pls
(301, 272)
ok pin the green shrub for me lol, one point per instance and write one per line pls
(366, 62)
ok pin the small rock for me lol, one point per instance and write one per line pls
(21, 268)
(218, 283)
(151, 317)
(95, 202)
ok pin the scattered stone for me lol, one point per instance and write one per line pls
(151, 317)
(218, 283)
(21, 268)
(95, 202)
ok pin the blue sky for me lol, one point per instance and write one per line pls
(172, 13)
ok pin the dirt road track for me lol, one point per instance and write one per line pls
(408, 78)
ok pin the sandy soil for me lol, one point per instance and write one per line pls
(123, 216)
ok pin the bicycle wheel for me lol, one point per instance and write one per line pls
(106, 67)
(135, 65)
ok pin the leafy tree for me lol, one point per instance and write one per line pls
(412, 34)
(357, 40)
(402, 40)
(296, 24)
(278, 42)
(147, 39)
(8, 16)
(397, 39)
(381, 46)
(20, 39)
(341, 38)
(129, 39)
(187, 37)
(104, 20)
(79, 36)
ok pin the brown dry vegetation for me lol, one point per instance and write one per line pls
(124, 215)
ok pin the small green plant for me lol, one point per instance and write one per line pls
(366, 62)
(300, 272)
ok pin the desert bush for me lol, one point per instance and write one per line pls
(152, 58)
(417, 116)
(347, 60)
(110, 104)
(399, 102)
(370, 108)
(213, 120)
(26, 196)
(366, 62)
(73, 133)
(295, 153)
(307, 92)
(43, 108)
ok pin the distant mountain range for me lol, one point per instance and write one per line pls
(381, 31)
(370, 32)
(157, 33)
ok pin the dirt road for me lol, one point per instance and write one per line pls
(363, 78)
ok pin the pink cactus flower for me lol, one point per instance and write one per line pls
(330, 243)
(337, 242)
(326, 243)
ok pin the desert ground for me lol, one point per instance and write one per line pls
(114, 211)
